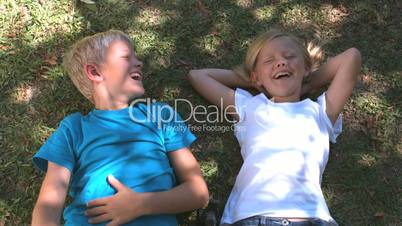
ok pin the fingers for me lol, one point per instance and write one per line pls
(113, 223)
(99, 219)
(115, 183)
(98, 202)
(96, 211)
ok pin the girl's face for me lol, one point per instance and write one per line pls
(280, 69)
(122, 71)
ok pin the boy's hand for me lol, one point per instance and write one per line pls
(120, 208)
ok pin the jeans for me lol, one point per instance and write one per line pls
(269, 221)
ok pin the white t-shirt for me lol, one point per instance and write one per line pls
(285, 149)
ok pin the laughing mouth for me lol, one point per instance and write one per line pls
(280, 75)
(136, 76)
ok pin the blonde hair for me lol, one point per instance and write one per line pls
(91, 49)
(312, 53)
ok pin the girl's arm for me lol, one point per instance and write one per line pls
(216, 85)
(126, 204)
(49, 206)
(343, 70)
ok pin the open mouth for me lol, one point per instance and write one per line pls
(281, 75)
(136, 76)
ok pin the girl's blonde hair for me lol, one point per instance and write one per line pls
(89, 50)
(312, 53)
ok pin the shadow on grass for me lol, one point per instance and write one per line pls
(174, 37)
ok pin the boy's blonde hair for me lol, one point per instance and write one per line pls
(89, 50)
(312, 54)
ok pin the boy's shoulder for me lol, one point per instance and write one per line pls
(76, 116)
(72, 120)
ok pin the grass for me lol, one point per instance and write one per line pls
(362, 182)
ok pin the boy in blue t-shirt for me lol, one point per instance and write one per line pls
(120, 160)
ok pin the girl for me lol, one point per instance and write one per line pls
(284, 140)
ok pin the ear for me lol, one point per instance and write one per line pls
(307, 71)
(92, 72)
(254, 79)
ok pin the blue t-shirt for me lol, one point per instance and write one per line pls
(132, 144)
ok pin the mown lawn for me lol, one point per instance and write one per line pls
(363, 180)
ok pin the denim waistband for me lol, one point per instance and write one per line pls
(270, 221)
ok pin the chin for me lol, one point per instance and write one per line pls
(137, 93)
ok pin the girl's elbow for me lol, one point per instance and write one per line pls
(194, 72)
(354, 53)
(192, 75)
(355, 61)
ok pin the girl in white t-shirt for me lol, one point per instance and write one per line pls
(284, 140)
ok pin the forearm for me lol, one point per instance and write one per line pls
(46, 214)
(321, 77)
(316, 80)
(191, 193)
(215, 85)
(48, 208)
(186, 196)
(327, 72)
(225, 77)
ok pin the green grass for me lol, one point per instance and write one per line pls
(363, 180)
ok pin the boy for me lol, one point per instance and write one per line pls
(119, 165)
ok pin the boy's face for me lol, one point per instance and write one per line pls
(280, 69)
(121, 71)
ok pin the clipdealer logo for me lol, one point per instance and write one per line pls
(205, 116)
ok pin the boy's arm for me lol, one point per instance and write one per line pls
(49, 206)
(216, 85)
(343, 71)
(191, 193)
(126, 205)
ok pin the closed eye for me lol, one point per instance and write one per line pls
(290, 56)
(268, 61)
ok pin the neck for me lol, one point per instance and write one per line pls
(287, 96)
(108, 105)
(277, 99)
(104, 101)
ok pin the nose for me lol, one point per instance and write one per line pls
(137, 63)
(281, 63)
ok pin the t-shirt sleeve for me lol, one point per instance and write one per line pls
(241, 99)
(57, 149)
(176, 134)
(333, 129)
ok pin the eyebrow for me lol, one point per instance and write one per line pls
(267, 57)
(288, 51)
(125, 50)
